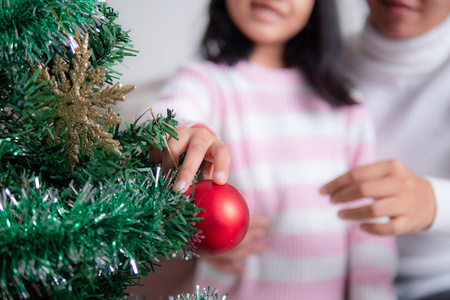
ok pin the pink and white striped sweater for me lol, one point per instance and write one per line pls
(286, 142)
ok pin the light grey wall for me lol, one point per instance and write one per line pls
(167, 34)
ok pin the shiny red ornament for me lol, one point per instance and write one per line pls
(226, 218)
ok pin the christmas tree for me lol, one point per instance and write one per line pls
(84, 211)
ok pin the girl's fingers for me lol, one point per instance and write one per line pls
(206, 170)
(233, 261)
(201, 147)
(155, 155)
(194, 158)
(217, 157)
(364, 173)
(173, 151)
(388, 207)
(168, 163)
(245, 250)
(227, 267)
(258, 224)
(221, 158)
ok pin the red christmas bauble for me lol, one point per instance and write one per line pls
(226, 218)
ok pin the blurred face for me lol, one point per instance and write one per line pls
(407, 18)
(270, 22)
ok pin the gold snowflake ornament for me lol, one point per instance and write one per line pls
(80, 104)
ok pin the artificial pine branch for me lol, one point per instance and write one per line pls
(36, 30)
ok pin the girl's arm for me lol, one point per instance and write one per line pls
(191, 94)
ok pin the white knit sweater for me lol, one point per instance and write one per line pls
(406, 84)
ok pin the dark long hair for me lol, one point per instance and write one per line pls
(315, 50)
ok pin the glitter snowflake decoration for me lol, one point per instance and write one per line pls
(81, 104)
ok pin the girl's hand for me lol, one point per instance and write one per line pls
(201, 146)
(401, 195)
(233, 262)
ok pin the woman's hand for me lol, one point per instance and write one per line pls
(407, 199)
(233, 262)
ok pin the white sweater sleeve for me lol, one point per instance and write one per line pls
(441, 189)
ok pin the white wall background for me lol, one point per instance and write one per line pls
(167, 34)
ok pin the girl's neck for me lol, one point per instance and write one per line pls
(268, 56)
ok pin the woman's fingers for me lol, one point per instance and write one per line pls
(388, 207)
(372, 188)
(398, 192)
(364, 173)
(397, 225)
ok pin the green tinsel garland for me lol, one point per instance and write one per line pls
(77, 244)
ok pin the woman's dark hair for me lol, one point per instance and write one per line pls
(315, 50)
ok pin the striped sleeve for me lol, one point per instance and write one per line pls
(189, 93)
(373, 259)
